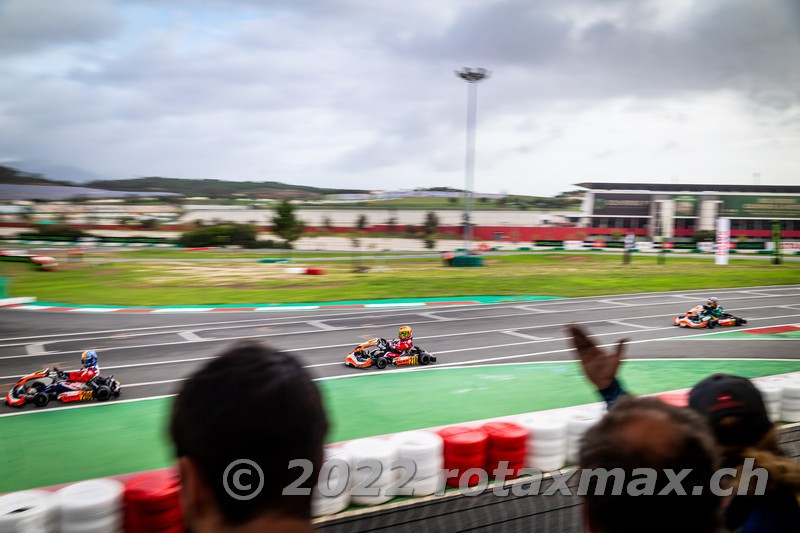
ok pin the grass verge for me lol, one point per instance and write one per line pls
(208, 283)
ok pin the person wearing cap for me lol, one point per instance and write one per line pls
(735, 411)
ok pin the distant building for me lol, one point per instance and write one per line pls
(674, 211)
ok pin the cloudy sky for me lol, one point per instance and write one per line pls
(362, 93)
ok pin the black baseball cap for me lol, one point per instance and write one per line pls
(722, 395)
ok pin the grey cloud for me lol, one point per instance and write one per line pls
(33, 25)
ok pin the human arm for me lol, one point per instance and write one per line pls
(599, 366)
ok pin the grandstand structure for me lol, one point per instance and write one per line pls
(679, 211)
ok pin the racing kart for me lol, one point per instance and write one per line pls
(375, 352)
(45, 385)
(697, 317)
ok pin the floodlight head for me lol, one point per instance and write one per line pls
(473, 75)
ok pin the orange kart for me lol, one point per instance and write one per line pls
(696, 317)
(375, 352)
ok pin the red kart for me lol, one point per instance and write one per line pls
(375, 352)
(45, 385)
(696, 317)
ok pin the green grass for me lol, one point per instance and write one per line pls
(175, 283)
(51, 447)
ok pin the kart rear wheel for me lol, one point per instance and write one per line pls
(102, 393)
(381, 363)
(41, 399)
(424, 358)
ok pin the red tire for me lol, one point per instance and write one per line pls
(465, 441)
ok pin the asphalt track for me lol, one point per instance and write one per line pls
(152, 354)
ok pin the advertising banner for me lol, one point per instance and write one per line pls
(622, 204)
(573, 245)
(761, 207)
(685, 205)
(723, 240)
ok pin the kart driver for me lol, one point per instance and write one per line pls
(89, 368)
(404, 343)
(712, 308)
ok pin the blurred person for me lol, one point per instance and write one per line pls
(712, 307)
(89, 368)
(403, 343)
(256, 404)
(735, 410)
(645, 433)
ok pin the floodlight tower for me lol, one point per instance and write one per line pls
(472, 76)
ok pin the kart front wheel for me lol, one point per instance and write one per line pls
(381, 363)
(102, 393)
(424, 359)
(712, 324)
(41, 399)
(741, 321)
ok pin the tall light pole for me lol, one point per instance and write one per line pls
(472, 76)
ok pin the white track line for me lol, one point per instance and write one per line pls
(322, 325)
(500, 330)
(147, 331)
(523, 336)
(191, 336)
(627, 325)
(348, 314)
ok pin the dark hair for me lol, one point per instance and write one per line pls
(647, 433)
(252, 402)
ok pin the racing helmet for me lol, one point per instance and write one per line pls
(404, 333)
(712, 302)
(89, 359)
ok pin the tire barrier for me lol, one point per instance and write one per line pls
(424, 449)
(326, 498)
(304, 270)
(371, 465)
(547, 443)
(465, 448)
(508, 442)
(790, 400)
(577, 425)
(42, 262)
(29, 510)
(91, 506)
(772, 399)
(152, 503)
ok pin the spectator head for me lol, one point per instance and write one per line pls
(250, 403)
(645, 433)
(733, 407)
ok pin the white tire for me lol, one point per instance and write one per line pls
(371, 500)
(417, 445)
(428, 468)
(790, 416)
(30, 510)
(791, 388)
(573, 453)
(544, 447)
(294, 270)
(543, 427)
(371, 448)
(770, 392)
(774, 416)
(109, 524)
(90, 501)
(790, 404)
(546, 463)
(322, 506)
(578, 424)
(424, 486)
(386, 477)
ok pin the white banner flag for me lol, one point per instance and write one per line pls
(723, 240)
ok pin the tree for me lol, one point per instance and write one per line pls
(362, 222)
(327, 223)
(286, 225)
(150, 223)
(430, 229)
(221, 235)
